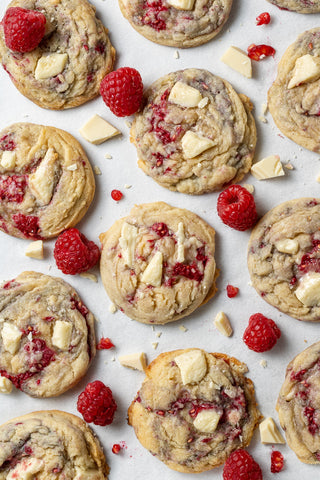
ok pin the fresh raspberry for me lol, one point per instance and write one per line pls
(277, 461)
(236, 208)
(116, 448)
(105, 344)
(241, 466)
(23, 29)
(116, 195)
(232, 291)
(122, 91)
(74, 253)
(96, 404)
(263, 19)
(261, 334)
(258, 52)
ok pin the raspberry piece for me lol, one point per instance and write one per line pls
(261, 334)
(116, 448)
(152, 16)
(122, 91)
(104, 344)
(23, 29)
(74, 253)
(241, 466)
(236, 208)
(188, 271)
(263, 18)
(96, 404)
(277, 461)
(258, 52)
(160, 228)
(232, 291)
(12, 188)
(28, 225)
(116, 195)
(6, 143)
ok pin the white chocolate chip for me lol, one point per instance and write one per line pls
(176, 54)
(183, 328)
(193, 144)
(127, 242)
(203, 102)
(308, 290)
(268, 167)
(184, 95)
(238, 60)
(155, 345)
(8, 160)
(136, 361)
(61, 336)
(182, 4)
(97, 170)
(153, 273)
(41, 182)
(269, 432)
(97, 130)
(287, 245)
(248, 187)
(108, 156)
(26, 469)
(5, 385)
(263, 363)
(89, 276)
(206, 421)
(113, 308)
(306, 69)
(35, 250)
(180, 246)
(222, 323)
(11, 336)
(192, 365)
(72, 167)
(50, 65)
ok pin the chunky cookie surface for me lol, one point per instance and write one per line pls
(194, 408)
(299, 405)
(67, 67)
(50, 445)
(300, 6)
(157, 264)
(293, 98)
(195, 133)
(283, 258)
(177, 23)
(46, 181)
(47, 338)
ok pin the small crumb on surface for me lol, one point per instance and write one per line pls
(107, 156)
(97, 170)
(89, 276)
(183, 328)
(128, 124)
(176, 54)
(155, 345)
(127, 185)
(112, 308)
(288, 166)
(159, 334)
(263, 363)
(248, 187)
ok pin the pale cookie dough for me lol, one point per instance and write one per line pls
(284, 258)
(157, 265)
(177, 23)
(293, 98)
(46, 181)
(72, 30)
(198, 148)
(194, 408)
(47, 338)
(50, 445)
(299, 405)
(300, 6)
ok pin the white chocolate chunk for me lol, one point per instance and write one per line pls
(153, 273)
(72, 167)
(41, 182)
(127, 242)
(5, 385)
(238, 60)
(26, 469)
(206, 421)
(180, 247)
(308, 290)
(137, 361)
(192, 365)
(50, 65)
(89, 276)
(97, 130)
(306, 69)
(182, 4)
(35, 250)
(248, 187)
(193, 144)
(184, 95)
(203, 102)
(11, 337)
(8, 160)
(113, 308)
(268, 167)
(222, 323)
(269, 432)
(61, 336)
(287, 245)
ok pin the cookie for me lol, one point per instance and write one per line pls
(300, 6)
(177, 23)
(194, 408)
(157, 265)
(50, 445)
(79, 50)
(284, 258)
(293, 98)
(195, 133)
(46, 181)
(299, 405)
(47, 338)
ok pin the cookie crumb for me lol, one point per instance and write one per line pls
(97, 170)
(152, 328)
(128, 124)
(183, 328)
(176, 54)
(262, 119)
(107, 156)
(288, 166)
(264, 108)
(248, 187)
(127, 185)
(159, 334)
(112, 308)
(155, 345)
(89, 276)
(263, 363)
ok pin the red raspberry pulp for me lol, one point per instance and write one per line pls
(160, 228)
(12, 189)
(96, 404)
(232, 291)
(277, 461)
(152, 15)
(105, 344)
(6, 143)
(28, 225)
(258, 52)
(23, 29)
(263, 18)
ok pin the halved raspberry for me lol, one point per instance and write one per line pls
(277, 461)
(74, 253)
(232, 291)
(116, 195)
(258, 52)
(236, 208)
(96, 404)
(241, 466)
(105, 344)
(263, 19)
(122, 91)
(261, 334)
(23, 29)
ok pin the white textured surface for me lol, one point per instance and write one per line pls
(129, 336)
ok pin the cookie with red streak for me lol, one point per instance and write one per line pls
(300, 6)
